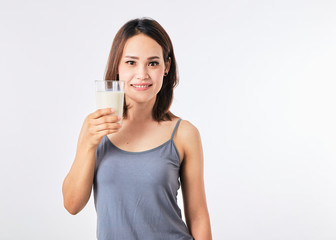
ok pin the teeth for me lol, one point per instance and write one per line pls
(140, 86)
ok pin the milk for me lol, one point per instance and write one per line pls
(111, 99)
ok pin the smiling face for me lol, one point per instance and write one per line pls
(142, 67)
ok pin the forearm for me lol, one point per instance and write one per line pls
(77, 185)
(200, 228)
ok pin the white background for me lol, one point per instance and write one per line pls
(256, 77)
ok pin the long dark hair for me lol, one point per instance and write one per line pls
(154, 30)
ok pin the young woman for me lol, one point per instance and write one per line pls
(137, 167)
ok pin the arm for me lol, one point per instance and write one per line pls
(77, 185)
(192, 183)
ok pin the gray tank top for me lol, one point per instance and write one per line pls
(135, 193)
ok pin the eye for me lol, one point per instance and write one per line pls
(130, 62)
(153, 63)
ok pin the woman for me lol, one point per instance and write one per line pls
(134, 167)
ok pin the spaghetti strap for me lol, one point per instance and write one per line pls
(176, 126)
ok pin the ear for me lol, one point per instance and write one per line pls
(167, 64)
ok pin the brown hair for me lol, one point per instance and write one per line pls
(154, 30)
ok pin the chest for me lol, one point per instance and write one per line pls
(154, 169)
(132, 142)
(141, 137)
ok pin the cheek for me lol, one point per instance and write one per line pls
(157, 74)
(124, 74)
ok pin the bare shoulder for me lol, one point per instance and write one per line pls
(187, 130)
(187, 138)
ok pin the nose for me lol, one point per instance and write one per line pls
(142, 73)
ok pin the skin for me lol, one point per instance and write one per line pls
(141, 63)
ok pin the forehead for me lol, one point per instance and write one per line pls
(142, 46)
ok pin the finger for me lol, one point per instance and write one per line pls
(107, 119)
(108, 126)
(105, 132)
(102, 112)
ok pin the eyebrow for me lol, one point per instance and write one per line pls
(150, 58)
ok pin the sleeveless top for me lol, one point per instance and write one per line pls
(135, 193)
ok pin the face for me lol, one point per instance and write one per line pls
(142, 67)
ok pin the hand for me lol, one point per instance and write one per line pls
(96, 125)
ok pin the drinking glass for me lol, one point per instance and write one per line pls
(110, 94)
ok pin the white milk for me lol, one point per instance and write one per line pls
(110, 99)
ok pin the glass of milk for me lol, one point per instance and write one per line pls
(110, 94)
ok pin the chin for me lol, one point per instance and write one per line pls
(140, 100)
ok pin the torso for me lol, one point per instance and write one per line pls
(145, 136)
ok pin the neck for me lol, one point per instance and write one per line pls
(140, 112)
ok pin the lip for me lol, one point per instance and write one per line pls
(141, 88)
